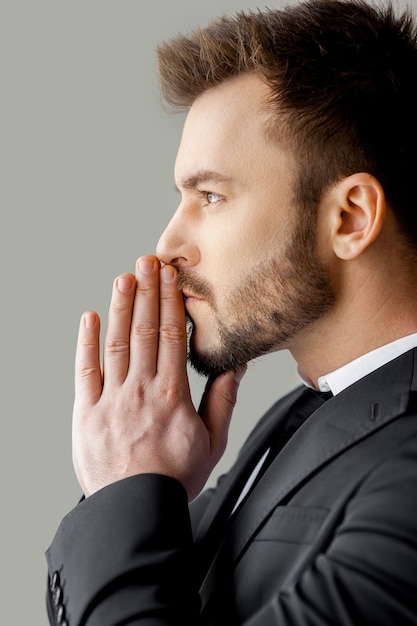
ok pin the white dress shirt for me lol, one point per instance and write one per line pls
(343, 377)
(350, 373)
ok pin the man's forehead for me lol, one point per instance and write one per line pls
(229, 117)
(240, 94)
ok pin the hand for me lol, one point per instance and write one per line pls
(136, 416)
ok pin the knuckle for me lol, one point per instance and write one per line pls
(86, 372)
(119, 307)
(229, 399)
(144, 330)
(137, 393)
(144, 289)
(169, 293)
(116, 346)
(172, 394)
(86, 342)
(172, 333)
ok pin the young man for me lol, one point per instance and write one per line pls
(297, 229)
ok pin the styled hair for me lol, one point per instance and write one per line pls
(343, 80)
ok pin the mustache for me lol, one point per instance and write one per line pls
(189, 281)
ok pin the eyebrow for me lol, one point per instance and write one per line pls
(192, 181)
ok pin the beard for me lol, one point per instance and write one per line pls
(280, 298)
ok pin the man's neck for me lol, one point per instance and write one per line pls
(319, 353)
(376, 304)
(338, 380)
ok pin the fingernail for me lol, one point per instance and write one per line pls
(124, 284)
(90, 320)
(167, 274)
(146, 266)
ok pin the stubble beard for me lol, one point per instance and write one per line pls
(278, 300)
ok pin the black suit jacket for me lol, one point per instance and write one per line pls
(327, 536)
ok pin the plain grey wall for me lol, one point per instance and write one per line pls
(87, 155)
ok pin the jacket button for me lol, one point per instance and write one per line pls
(60, 615)
(57, 596)
(55, 581)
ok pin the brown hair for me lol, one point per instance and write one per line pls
(343, 78)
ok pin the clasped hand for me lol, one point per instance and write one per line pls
(135, 414)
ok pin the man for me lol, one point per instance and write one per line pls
(296, 230)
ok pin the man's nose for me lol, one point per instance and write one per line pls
(176, 245)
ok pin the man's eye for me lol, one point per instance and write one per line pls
(212, 197)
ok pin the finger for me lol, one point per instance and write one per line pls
(116, 342)
(145, 321)
(172, 354)
(88, 380)
(217, 408)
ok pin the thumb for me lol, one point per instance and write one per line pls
(217, 406)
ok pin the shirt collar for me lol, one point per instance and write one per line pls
(350, 373)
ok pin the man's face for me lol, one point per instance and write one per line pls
(249, 273)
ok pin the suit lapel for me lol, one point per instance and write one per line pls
(337, 425)
(231, 485)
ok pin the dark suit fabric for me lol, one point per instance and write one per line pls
(328, 535)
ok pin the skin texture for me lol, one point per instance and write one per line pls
(138, 416)
(247, 280)
(246, 260)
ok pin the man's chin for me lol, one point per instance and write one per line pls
(203, 366)
(213, 364)
(213, 360)
(205, 362)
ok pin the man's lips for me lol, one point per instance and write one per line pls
(190, 298)
(187, 295)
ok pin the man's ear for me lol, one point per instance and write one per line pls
(357, 213)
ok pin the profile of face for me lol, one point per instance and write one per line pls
(247, 262)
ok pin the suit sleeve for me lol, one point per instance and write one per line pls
(124, 556)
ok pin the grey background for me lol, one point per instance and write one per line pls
(87, 155)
